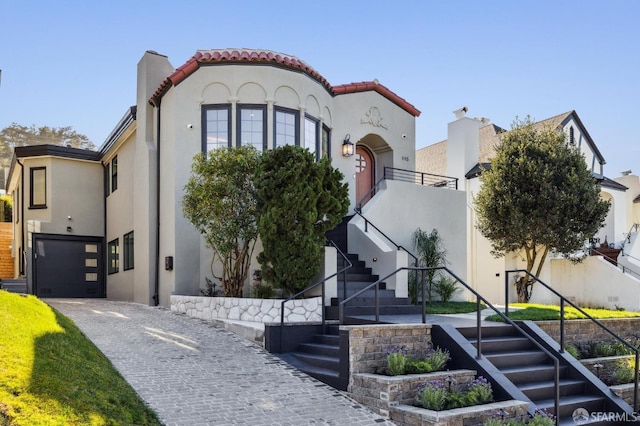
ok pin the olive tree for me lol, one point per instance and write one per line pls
(220, 202)
(299, 201)
(538, 196)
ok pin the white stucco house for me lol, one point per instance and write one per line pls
(110, 223)
(468, 150)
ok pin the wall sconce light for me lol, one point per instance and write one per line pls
(347, 146)
(69, 229)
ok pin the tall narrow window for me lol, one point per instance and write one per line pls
(572, 139)
(107, 183)
(216, 129)
(38, 189)
(17, 206)
(128, 251)
(113, 260)
(311, 134)
(114, 174)
(286, 127)
(252, 126)
(326, 142)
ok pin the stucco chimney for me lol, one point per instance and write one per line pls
(460, 113)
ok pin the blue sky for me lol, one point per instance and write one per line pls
(74, 62)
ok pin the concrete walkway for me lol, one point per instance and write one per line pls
(195, 373)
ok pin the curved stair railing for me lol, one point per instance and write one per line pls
(625, 269)
(347, 266)
(564, 300)
(479, 301)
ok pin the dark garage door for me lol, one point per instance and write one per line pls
(67, 266)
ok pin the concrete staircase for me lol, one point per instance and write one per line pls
(519, 369)
(320, 358)
(358, 277)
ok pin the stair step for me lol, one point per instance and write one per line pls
(503, 343)
(545, 389)
(326, 375)
(327, 339)
(321, 361)
(370, 301)
(498, 330)
(532, 373)
(320, 349)
(569, 404)
(517, 358)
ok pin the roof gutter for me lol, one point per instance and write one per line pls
(156, 283)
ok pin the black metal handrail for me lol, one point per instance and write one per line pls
(322, 282)
(398, 247)
(627, 239)
(421, 178)
(402, 175)
(625, 269)
(564, 300)
(479, 301)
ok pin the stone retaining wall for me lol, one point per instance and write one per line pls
(246, 309)
(368, 344)
(379, 392)
(585, 331)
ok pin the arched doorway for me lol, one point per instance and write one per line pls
(365, 174)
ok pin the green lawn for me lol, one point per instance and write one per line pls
(536, 312)
(451, 307)
(50, 374)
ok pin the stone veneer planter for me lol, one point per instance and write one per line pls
(407, 415)
(393, 397)
(246, 309)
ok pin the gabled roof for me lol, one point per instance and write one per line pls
(270, 58)
(561, 120)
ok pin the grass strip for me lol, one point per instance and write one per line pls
(51, 374)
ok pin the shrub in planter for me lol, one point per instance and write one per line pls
(398, 361)
(437, 395)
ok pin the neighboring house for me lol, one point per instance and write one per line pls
(127, 198)
(468, 150)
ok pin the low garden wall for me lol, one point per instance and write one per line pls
(585, 331)
(368, 344)
(247, 309)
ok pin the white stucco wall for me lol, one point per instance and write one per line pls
(120, 217)
(181, 139)
(592, 283)
(398, 209)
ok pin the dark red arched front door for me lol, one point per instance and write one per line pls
(365, 176)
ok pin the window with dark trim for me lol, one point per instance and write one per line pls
(17, 205)
(285, 129)
(107, 184)
(311, 133)
(127, 257)
(113, 259)
(216, 127)
(326, 142)
(114, 174)
(252, 126)
(38, 188)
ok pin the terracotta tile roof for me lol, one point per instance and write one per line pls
(267, 57)
(366, 86)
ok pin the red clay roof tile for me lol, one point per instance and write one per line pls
(267, 57)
